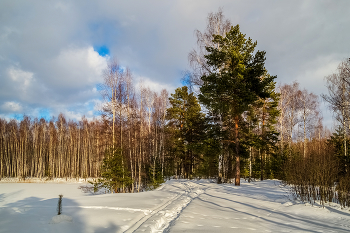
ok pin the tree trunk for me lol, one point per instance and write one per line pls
(250, 164)
(238, 165)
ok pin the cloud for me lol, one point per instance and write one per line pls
(22, 79)
(145, 82)
(64, 80)
(12, 107)
(74, 68)
(314, 72)
(48, 60)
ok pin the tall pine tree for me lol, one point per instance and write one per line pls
(234, 82)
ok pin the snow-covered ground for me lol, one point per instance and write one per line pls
(177, 206)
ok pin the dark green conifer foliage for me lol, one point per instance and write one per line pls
(234, 82)
(336, 141)
(155, 181)
(115, 174)
(267, 110)
(187, 124)
(212, 148)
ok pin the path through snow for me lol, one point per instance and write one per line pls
(177, 206)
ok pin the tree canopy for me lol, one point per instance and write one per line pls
(236, 80)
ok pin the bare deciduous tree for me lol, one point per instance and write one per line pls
(217, 24)
(310, 114)
(112, 90)
(338, 85)
(292, 110)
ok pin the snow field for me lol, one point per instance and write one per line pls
(61, 218)
(177, 206)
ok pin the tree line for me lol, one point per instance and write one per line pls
(133, 123)
(55, 148)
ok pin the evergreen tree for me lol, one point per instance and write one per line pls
(187, 125)
(268, 136)
(115, 175)
(234, 82)
(336, 141)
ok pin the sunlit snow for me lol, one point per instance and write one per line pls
(176, 206)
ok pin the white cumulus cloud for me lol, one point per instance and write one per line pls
(22, 78)
(12, 107)
(75, 67)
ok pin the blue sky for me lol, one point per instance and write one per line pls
(103, 50)
(52, 54)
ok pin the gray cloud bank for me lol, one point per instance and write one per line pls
(47, 60)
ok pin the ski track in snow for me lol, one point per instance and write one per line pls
(162, 217)
(146, 212)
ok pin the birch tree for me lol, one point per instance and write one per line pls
(217, 24)
(112, 91)
(338, 98)
(310, 113)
